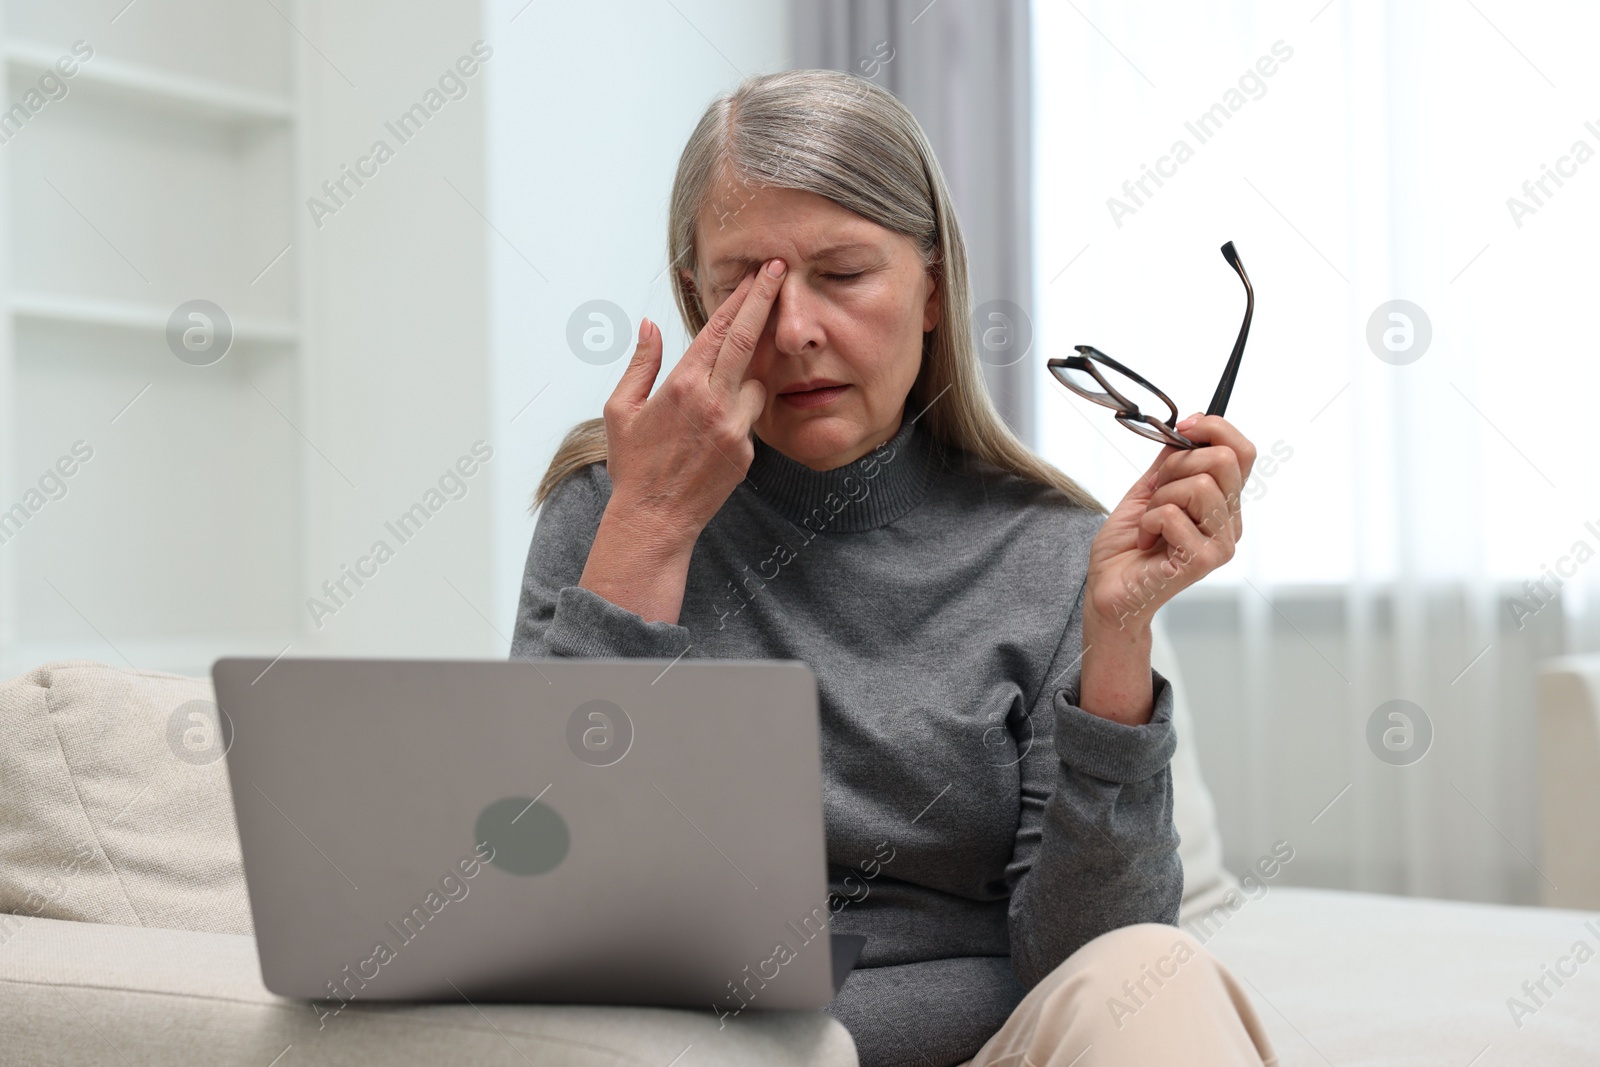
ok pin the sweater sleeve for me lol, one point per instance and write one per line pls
(1096, 848)
(558, 617)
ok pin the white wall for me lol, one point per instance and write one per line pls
(395, 303)
(589, 109)
(396, 331)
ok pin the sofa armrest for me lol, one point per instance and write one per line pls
(76, 993)
(1569, 780)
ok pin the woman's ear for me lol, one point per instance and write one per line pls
(931, 309)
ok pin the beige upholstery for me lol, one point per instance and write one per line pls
(1366, 980)
(1569, 781)
(1356, 979)
(113, 809)
(74, 994)
(114, 803)
(1205, 881)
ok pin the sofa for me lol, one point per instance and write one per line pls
(125, 931)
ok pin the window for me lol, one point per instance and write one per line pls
(1440, 154)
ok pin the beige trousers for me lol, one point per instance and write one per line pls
(1139, 996)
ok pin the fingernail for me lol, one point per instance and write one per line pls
(775, 267)
(1190, 421)
(644, 325)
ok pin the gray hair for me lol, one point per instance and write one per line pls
(850, 140)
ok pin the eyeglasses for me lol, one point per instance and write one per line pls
(1132, 397)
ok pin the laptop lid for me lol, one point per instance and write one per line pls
(580, 831)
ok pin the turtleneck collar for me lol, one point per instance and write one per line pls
(873, 491)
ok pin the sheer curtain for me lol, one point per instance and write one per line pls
(1414, 191)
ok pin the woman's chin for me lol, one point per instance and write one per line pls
(817, 441)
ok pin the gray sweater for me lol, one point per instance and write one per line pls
(980, 826)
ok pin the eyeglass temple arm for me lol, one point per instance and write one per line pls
(1219, 401)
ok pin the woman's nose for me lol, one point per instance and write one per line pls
(794, 315)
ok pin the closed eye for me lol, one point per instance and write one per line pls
(844, 277)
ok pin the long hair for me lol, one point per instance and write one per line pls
(845, 138)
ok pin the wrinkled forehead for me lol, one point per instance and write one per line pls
(743, 261)
(735, 235)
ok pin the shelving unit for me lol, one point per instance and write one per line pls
(128, 315)
(169, 171)
(150, 87)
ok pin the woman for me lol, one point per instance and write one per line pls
(822, 477)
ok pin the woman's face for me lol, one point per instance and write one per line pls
(849, 317)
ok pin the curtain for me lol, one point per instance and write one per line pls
(963, 68)
(1414, 188)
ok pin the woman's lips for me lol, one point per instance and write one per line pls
(812, 398)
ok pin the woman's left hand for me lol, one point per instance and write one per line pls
(1177, 524)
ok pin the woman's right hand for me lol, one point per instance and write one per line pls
(674, 457)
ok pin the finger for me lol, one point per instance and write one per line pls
(752, 401)
(1194, 554)
(1142, 492)
(1207, 510)
(1141, 489)
(640, 373)
(749, 322)
(1202, 500)
(702, 352)
(1218, 461)
(1138, 495)
(1216, 430)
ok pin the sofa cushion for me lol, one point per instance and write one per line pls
(176, 996)
(114, 802)
(1205, 881)
(1366, 980)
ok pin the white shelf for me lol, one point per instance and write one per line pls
(83, 311)
(133, 117)
(156, 89)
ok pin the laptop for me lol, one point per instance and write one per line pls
(559, 831)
